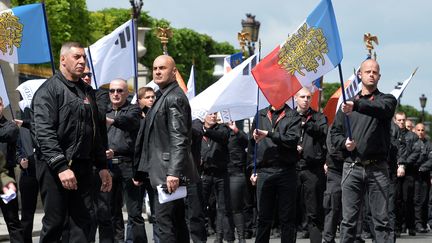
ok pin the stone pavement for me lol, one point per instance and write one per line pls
(4, 236)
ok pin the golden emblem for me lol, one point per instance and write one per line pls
(303, 50)
(164, 34)
(368, 40)
(10, 32)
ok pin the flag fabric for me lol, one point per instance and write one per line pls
(3, 90)
(27, 91)
(191, 84)
(180, 81)
(23, 33)
(113, 55)
(316, 93)
(232, 61)
(313, 50)
(234, 95)
(352, 87)
(397, 92)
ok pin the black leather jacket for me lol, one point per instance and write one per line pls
(163, 144)
(59, 123)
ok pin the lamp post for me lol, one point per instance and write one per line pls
(250, 26)
(423, 100)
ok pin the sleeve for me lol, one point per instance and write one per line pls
(220, 134)
(337, 131)
(288, 136)
(45, 124)
(129, 121)
(382, 107)
(178, 130)
(317, 126)
(9, 132)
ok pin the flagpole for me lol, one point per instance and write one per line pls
(7, 94)
(91, 66)
(347, 120)
(135, 56)
(48, 37)
(257, 116)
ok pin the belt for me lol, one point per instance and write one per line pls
(366, 162)
(120, 159)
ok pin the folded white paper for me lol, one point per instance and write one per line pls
(8, 196)
(166, 197)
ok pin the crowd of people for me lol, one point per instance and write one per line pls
(89, 153)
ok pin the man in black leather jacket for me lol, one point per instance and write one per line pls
(66, 131)
(163, 149)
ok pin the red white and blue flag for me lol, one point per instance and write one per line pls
(309, 53)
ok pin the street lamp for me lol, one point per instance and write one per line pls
(423, 100)
(251, 26)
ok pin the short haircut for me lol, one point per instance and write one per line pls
(143, 90)
(399, 113)
(68, 45)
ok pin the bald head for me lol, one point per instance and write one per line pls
(119, 92)
(420, 130)
(370, 75)
(164, 70)
(303, 99)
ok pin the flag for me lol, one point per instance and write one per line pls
(352, 87)
(313, 50)
(180, 81)
(3, 90)
(397, 92)
(27, 91)
(191, 84)
(234, 95)
(232, 61)
(113, 55)
(316, 93)
(23, 33)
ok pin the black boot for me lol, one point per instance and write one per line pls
(239, 224)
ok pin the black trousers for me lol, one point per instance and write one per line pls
(276, 188)
(123, 187)
(312, 185)
(195, 212)
(220, 184)
(65, 207)
(170, 218)
(100, 212)
(332, 205)
(405, 201)
(10, 214)
(29, 189)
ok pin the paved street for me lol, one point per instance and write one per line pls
(420, 238)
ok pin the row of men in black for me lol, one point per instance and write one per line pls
(279, 134)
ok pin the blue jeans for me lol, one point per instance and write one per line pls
(360, 182)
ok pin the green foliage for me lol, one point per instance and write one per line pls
(67, 21)
(328, 89)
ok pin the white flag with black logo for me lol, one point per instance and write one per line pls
(113, 55)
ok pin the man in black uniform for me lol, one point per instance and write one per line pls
(276, 138)
(405, 176)
(68, 143)
(123, 120)
(310, 167)
(365, 170)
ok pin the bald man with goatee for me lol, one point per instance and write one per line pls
(163, 149)
(365, 169)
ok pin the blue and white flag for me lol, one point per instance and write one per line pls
(397, 92)
(23, 35)
(232, 61)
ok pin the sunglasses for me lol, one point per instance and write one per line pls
(89, 75)
(119, 91)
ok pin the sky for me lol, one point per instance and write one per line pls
(402, 27)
